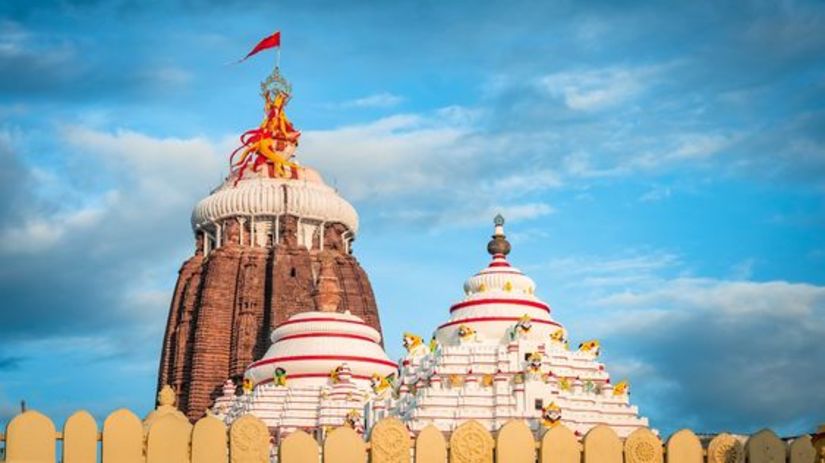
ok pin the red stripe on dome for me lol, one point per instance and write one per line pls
(298, 358)
(310, 375)
(495, 319)
(538, 305)
(320, 319)
(499, 264)
(322, 334)
(499, 272)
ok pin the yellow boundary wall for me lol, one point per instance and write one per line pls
(167, 437)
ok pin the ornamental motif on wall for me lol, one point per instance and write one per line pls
(724, 448)
(471, 443)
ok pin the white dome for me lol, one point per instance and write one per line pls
(307, 197)
(310, 345)
(496, 298)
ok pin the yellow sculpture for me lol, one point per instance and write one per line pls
(558, 336)
(564, 384)
(415, 345)
(521, 328)
(274, 142)
(550, 415)
(466, 333)
(335, 374)
(280, 377)
(353, 419)
(591, 347)
(534, 361)
(248, 385)
(456, 380)
(434, 345)
(380, 385)
(621, 388)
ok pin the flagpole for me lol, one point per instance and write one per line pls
(278, 58)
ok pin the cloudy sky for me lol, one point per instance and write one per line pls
(661, 167)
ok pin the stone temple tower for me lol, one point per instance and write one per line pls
(260, 240)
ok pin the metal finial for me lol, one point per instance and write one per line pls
(499, 243)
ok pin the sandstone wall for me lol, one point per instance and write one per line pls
(226, 304)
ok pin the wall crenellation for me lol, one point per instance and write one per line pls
(166, 435)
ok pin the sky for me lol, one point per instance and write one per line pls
(661, 166)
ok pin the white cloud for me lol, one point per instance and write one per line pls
(378, 100)
(772, 299)
(167, 76)
(655, 194)
(723, 354)
(528, 181)
(595, 89)
(470, 214)
(393, 155)
(38, 234)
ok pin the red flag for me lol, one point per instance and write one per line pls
(273, 41)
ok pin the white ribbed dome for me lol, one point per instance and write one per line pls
(307, 197)
(500, 276)
(310, 345)
(496, 298)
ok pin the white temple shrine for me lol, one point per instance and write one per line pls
(501, 356)
(317, 374)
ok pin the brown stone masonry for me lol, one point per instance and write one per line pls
(226, 304)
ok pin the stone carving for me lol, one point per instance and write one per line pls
(471, 443)
(390, 442)
(724, 448)
(249, 441)
(328, 293)
(642, 446)
(232, 232)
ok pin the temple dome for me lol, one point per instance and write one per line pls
(496, 298)
(256, 194)
(310, 345)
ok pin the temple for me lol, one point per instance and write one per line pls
(260, 240)
(500, 356)
(273, 316)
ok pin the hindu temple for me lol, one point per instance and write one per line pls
(273, 316)
(501, 356)
(260, 238)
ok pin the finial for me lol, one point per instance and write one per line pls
(498, 220)
(166, 396)
(499, 243)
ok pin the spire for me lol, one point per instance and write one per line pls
(499, 244)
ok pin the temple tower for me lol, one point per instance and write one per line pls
(266, 241)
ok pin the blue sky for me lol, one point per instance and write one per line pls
(661, 166)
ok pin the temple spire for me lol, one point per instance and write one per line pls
(499, 243)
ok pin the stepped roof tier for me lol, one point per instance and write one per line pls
(501, 356)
